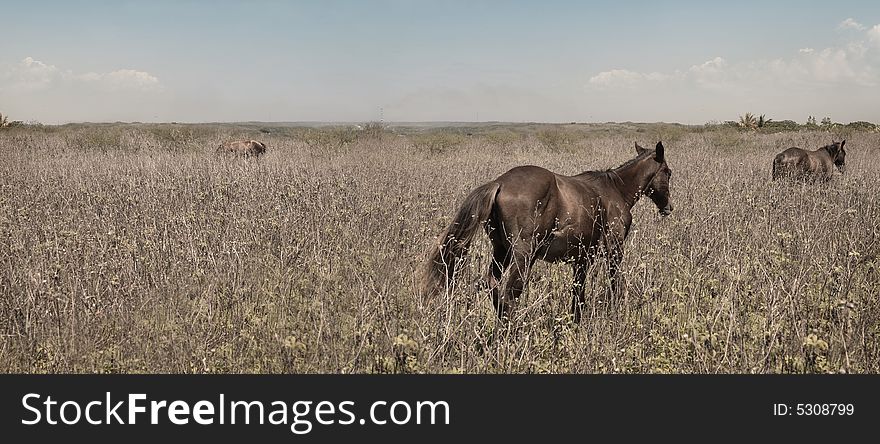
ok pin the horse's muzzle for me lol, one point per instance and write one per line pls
(666, 211)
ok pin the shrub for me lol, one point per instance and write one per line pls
(556, 138)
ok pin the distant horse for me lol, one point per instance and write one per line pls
(815, 165)
(244, 148)
(531, 213)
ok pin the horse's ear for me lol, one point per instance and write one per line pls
(659, 155)
(842, 143)
(639, 149)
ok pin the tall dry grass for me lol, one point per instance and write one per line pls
(135, 248)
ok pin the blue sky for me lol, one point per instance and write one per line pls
(554, 61)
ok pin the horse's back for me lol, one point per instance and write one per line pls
(533, 203)
(526, 174)
(534, 188)
(525, 186)
(793, 154)
(527, 199)
(244, 147)
(800, 163)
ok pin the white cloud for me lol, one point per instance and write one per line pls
(123, 79)
(713, 66)
(35, 90)
(874, 35)
(624, 78)
(851, 24)
(856, 63)
(710, 74)
(31, 75)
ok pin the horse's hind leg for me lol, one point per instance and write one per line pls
(776, 172)
(513, 285)
(500, 261)
(509, 272)
(578, 289)
(780, 167)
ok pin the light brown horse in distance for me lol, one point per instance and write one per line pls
(815, 165)
(531, 213)
(246, 148)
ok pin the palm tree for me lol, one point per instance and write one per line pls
(763, 121)
(4, 121)
(748, 121)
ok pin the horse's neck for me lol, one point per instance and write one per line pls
(828, 149)
(631, 180)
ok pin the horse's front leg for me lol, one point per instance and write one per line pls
(614, 255)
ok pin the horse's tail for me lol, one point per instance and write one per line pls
(778, 166)
(453, 244)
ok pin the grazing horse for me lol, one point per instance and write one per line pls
(531, 213)
(244, 148)
(815, 165)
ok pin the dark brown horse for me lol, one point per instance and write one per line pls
(246, 148)
(531, 213)
(815, 165)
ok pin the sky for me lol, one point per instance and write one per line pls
(395, 60)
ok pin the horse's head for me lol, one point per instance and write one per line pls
(658, 186)
(838, 154)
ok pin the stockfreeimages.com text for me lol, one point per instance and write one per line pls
(301, 416)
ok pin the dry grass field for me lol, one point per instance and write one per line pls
(137, 248)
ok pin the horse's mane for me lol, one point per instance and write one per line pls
(610, 172)
(831, 148)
